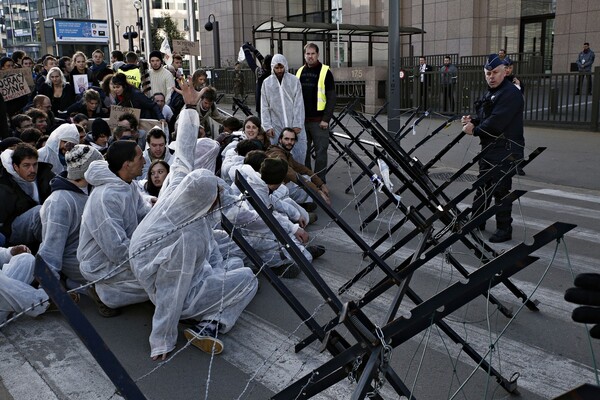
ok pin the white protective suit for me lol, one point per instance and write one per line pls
(50, 152)
(183, 272)
(282, 105)
(111, 214)
(206, 154)
(61, 217)
(252, 226)
(16, 293)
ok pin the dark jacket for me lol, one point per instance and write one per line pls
(61, 103)
(500, 113)
(15, 201)
(80, 108)
(136, 99)
(294, 167)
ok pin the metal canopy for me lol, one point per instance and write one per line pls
(272, 26)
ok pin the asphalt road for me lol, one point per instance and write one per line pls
(42, 358)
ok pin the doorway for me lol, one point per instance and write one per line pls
(537, 38)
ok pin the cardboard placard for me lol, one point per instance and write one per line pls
(117, 111)
(14, 84)
(25, 71)
(80, 83)
(186, 47)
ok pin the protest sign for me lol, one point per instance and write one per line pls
(13, 84)
(186, 47)
(80, 83)
(117, 111)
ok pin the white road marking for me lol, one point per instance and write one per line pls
(568, 195)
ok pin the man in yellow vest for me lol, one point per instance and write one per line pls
(131, 70)
(318, 90)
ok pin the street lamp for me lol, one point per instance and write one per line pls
(137, 4)
(130, 34)
(118, 43)
(214, 27)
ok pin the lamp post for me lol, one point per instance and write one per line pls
(214, 27)
(130, 34)
(137, 4)
(118, 42)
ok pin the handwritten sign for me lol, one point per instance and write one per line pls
(186, 47)
(117, 111)
(80, 83)
(13, 85)
(26, 72)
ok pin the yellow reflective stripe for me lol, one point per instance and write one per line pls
(321, 97)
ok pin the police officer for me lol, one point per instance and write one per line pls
(499, 123)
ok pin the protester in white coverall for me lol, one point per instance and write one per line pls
(60, 141)
(61, 214)
(111, 214)
(180, 266)
(282, 105)
(16, 275)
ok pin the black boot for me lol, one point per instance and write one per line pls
(501, 235)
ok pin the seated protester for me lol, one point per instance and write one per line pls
(283, 150)
(81, 132)
(130, 121)
(19, 123)
(121, 133)
(65, 63)
(60, 141)
(80, 68)
(155, 177)
(31, 136)
(90, 105)
(82, 122)
(99, 67)
(58, 90)
(233, 158)
(112, 213)
(156, 148)
(16, 275)
(61, 214)
(41, 142)
(207, 109)
(207, 151)
(24, 186)
(128, 96)
(200, 79)
(98, 137)
(159, 99)
(183, 276)
(9, 143)
(232, 124)
(39, 119)
(108, 99)
(43, 103)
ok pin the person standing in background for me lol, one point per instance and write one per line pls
(584, 65)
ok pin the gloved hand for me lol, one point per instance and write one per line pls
(586, 293)
(248, 46)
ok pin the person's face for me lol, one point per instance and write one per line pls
(311, 56)
(288, 140)
(79, 63)
(69, 65)
(157, 147)
(24, 125)
(91, 105)
(446, 61)
(279, 70)
(46, 105)
(65, 146)
(27, 169)
(50, 63)
(134, 168)
(155, 63)
(160, 101)
(41, 124)
(495, 77)
(113, 59)
(158, 173)
(509, 70)
(84, 125)
(206, 104)
(586, 46)
(8, 65)
(421, 61)
(501, 53)
(55, 79)
(102, 140)
(27, 63)
(177, 63)
(117, 89)
(97, 58)
(124, 123)
(251, 130)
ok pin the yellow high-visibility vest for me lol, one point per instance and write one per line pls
(134, 77)
(321, 97)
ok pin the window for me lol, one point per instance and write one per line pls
(157, 4)
(314, 10)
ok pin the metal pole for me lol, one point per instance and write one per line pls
(41, 14)
(217, 44)
(111, 25)
(394, 67)
(193, 30)
(146, 23)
